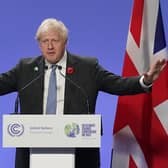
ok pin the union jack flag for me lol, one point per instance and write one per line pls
(140, 135)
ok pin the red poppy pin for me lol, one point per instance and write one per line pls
(70, 70)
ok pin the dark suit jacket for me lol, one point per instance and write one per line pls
(91, 78)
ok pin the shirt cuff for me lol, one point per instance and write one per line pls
(143, 84)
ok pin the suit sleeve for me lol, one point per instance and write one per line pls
(115, 84)
(8, 81)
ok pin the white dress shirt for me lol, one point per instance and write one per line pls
(60, 84)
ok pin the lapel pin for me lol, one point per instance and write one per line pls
(36, 68)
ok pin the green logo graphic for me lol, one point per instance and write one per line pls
(72, 130)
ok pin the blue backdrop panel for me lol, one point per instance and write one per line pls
(96, 28)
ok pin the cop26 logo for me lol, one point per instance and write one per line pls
(71, 130)
(15, 129)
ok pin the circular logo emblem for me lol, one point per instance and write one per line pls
(71, 130)
(15, 129)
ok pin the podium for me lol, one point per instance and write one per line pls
(52, 139)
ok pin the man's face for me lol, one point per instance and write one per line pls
(52, 46)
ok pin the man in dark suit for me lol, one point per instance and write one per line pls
(79, 80)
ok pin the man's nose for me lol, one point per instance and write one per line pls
(50, 45)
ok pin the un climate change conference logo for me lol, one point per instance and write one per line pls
(15, 129)
(71, 130)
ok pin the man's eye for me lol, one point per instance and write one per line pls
(55, 40)
(45, 41)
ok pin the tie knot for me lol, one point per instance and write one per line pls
(53, 67)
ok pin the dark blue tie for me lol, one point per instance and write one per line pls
(52, 93)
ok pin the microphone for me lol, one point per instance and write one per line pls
(17, 100)
(77, 86)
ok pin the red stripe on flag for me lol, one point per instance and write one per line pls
(159, 147)
(136, 20)
(129, 68)
(160, 88)
(132, 163)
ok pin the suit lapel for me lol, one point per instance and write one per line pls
(38, 86)
(70, 88)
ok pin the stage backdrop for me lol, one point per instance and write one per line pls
(96, 28)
